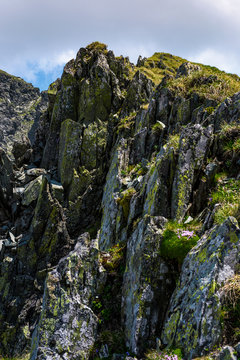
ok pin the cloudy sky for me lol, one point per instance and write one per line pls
(38, 37)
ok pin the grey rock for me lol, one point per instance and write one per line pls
(104, 352)
(67, 324)
(158, 182)
(145, 295)
(35, 172)
(109, 224)
(227, 353)
(193, 321)
(31, 191)
(195, 143)
(237, 348)
(57, 190)
(21, 106)
(118, 357)
(186, 69)
(228, 111)
(70, 143)
(141, 61)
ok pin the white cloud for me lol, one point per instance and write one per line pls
(226, 7)
(57, 59)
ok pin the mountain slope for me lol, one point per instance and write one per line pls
(120, 231)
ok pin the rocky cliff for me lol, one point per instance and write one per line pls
(21, 106)
(119, 218)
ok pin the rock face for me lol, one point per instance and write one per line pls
(67, 298)
(145, 281)
(194, 317)
(21, 106)
(119, 217)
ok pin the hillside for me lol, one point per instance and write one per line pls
(119, 219)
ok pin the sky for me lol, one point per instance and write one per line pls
(37, 37)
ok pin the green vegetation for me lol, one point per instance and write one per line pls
(127, 122)
(137, 170)
(124, 201)
(112, 260)
(160, 65)
(97, 46)
(227, 195)
(163, 355)
(115, 340)
(52, 89)
(158, 127)
(208, 82)
(230, 136)
(22, 357)
(173, 141)
(209, 110)
(230, 294)
(144, 106)
(178, 240)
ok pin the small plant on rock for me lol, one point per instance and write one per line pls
(177, 241)
(125, 199)
(163, 355)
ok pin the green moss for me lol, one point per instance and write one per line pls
(202, 255)
(175, 245)
(158, 127)
(181, 195)
(80, 181)
(209, 110)
(125, 199)
(173, 141)
(127, 122)
(68, 150)
(93, 144)
(95, 99)
(97, 46)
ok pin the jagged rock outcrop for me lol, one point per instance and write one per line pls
(147, 282)
(193, 322)
(21, 106)
(132, 170)
(68, 326)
